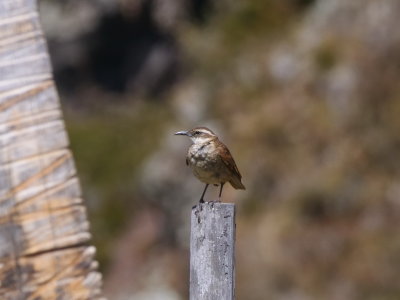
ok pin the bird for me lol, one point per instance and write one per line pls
(211, 161)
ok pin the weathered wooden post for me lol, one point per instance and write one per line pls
(212, 252)
(43, 227)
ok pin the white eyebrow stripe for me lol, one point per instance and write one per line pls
(204, 131)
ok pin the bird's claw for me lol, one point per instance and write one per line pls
(214, 201)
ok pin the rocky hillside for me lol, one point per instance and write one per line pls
(306, 95)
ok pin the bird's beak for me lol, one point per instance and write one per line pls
(181, 133)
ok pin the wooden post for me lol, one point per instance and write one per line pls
(212, 252)
(44, 251)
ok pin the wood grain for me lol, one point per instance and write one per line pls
(212, 252)
(44, 231)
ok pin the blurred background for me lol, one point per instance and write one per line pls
(304, 92)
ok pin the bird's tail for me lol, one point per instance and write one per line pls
(237, 184)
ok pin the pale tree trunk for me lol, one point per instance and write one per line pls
(43, 226)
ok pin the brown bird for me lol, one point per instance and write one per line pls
(211, 161)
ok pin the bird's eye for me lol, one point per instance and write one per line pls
(197, 132)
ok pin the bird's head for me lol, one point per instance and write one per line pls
(199, 135)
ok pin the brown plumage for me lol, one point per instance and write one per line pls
(229, 162)
(210, 160)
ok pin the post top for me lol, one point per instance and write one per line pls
(212, 204)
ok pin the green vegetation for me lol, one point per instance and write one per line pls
(110, 143)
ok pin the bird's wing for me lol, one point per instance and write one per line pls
(228, 161)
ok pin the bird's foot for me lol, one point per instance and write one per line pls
(214, 201)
